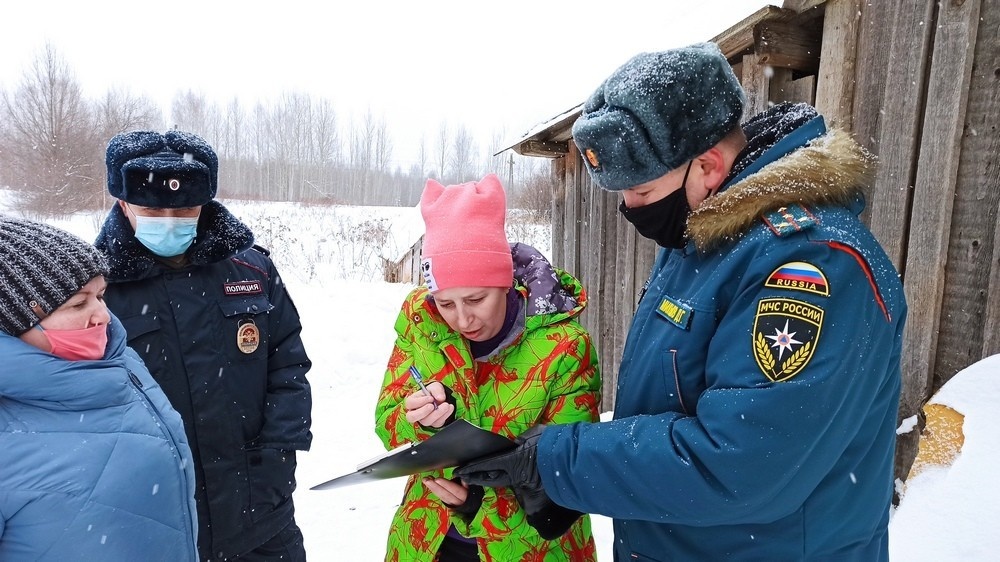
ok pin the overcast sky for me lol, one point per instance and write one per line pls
(490, 65)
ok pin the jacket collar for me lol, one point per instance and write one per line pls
(38, 376)
(830, 169)
(220, 236)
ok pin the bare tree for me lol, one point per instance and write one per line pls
(119, 111)
(383, 148)
(51, 144)
(463, 158)
(362, 159)
(326, 138)
(383, 164)
(259, 140)
(443, 149)
(289, 143)
(189, 112)
(535, 194)
(325, 152)
(498, 160)
(422, 156)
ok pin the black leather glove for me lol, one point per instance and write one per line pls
(518, 469)
(553, 521)
(473, 501)
(514, 469)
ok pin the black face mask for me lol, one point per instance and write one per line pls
(664, 221)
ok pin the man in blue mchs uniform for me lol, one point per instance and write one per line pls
(756, 403)
(208, 313)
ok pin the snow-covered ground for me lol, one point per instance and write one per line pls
(347, 316)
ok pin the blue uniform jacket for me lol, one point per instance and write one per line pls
(222, 337)
(95, 463)
(756, 403)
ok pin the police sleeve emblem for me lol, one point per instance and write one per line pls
(785, 336)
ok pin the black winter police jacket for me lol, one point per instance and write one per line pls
(221, 336)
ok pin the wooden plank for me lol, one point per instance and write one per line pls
(738, 70)
(835, 87)
(542, 149)
(624, 300)
(869, 87)
(583, 256)
(991, 330)
(970, 324)
(609, 325)
(559, 179)
(756, 84)
(983, 144)
(899, 132)
(415, 275)
(645, 256)
(571, 226)
(782, 87)
(892, 34)
(802, 5)
(739, 38)
(785, 44)
(590, 251)
(934, 193)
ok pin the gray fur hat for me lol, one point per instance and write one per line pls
(656, 112)
(41, 267)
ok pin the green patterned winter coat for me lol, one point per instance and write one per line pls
(548, 374)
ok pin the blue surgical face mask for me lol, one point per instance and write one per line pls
(166, 236)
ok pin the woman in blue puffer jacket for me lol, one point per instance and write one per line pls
(95, 462)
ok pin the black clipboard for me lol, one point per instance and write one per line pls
(457, 443)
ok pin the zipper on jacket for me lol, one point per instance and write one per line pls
(169, 435)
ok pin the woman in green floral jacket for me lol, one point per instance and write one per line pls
(495, 337)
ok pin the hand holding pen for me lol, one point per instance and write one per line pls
(427, 406)
(415, 374)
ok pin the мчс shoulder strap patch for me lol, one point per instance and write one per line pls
(789, 220)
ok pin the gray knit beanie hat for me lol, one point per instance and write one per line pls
(40, 266)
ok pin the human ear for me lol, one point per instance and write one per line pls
(712, 165)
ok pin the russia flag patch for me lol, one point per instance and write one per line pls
(799, 276)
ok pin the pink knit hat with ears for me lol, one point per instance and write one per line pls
(465, 244)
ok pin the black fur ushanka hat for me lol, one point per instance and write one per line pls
(170, 170)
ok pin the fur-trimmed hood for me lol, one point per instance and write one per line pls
(220, 236)
(830, 170)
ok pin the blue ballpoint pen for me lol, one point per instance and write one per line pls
(420, 382)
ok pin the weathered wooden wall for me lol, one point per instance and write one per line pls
(407, 268)
(931, 118)
(611, 260)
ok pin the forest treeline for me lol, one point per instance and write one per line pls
(297, 148)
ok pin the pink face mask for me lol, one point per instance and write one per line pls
(87, 344)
